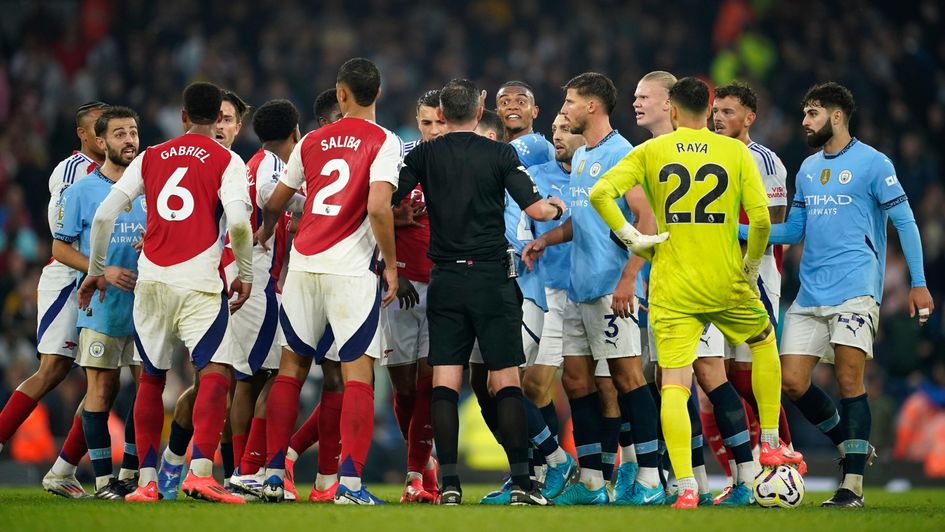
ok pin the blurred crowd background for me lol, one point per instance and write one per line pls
(57, 54)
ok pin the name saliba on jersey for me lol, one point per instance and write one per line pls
(346, 141)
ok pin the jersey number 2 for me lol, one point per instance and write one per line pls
(685, 182)
(344, 174)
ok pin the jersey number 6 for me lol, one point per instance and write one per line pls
(172, 189)
(685, 182)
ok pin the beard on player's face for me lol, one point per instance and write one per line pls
(578, 125)
(123, 155)
(817, 139)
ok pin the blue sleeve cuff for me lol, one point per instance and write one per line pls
(909, 239)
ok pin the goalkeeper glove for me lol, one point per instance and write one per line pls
(639, 243)
(750, 269)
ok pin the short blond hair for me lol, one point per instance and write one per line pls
(662, 77)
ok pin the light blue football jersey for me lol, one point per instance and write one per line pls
(598, 257)
(552, 180)
(519, 228)
(519, 231)
(844, 198)
(533, 149)
(76, 210)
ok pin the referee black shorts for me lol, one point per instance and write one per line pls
(474, 300)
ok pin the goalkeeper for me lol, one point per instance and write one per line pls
(695, 181)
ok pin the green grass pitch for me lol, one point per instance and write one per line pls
(32, 509)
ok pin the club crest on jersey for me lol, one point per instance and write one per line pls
(824, 176)
(97, 349)
(595, 170)
(144, 205)
(844, 177)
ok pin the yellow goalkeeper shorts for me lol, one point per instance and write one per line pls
(677, 333)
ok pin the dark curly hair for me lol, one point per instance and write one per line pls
(831, 95)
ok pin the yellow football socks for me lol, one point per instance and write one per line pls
(766, 381)
(677, 430)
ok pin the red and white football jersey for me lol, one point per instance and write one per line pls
(57, 275)
(774, 178)
(186, 181)
(263, 166)
(336, 164)
(413, 242)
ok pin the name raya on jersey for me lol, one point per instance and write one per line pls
(77, 209)
(334, 235)
(267, 265)
(845, 197)
(597, 255)
(552, 180)
(185, 181)
(696, 181)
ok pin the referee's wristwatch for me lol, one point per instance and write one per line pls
(557, 208)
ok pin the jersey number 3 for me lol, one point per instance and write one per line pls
(344, 174)
(685, 182)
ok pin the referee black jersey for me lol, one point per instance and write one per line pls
(464, 178)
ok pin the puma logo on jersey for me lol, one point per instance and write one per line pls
(341, 142)
(186, 151)
(692, 147)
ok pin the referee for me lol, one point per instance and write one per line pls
(472, 293)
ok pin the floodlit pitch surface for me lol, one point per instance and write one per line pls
(32, 509)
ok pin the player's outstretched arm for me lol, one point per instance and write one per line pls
(624, 176)
(788, 233)
(603, 196)
(280, 197)
(534, 249)
(543, 210)
(295, 205)
(103, 224)
(382, 225)
(920, 300)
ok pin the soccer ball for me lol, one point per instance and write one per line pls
(780, 486)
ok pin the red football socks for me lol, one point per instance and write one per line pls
(357, 427)
(329, 426)
(149, 419)
(420, 436)
(209, 414)
(282, 409)
(17, 409)
(254, 457)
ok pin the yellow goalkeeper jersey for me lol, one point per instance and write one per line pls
(695, 181)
